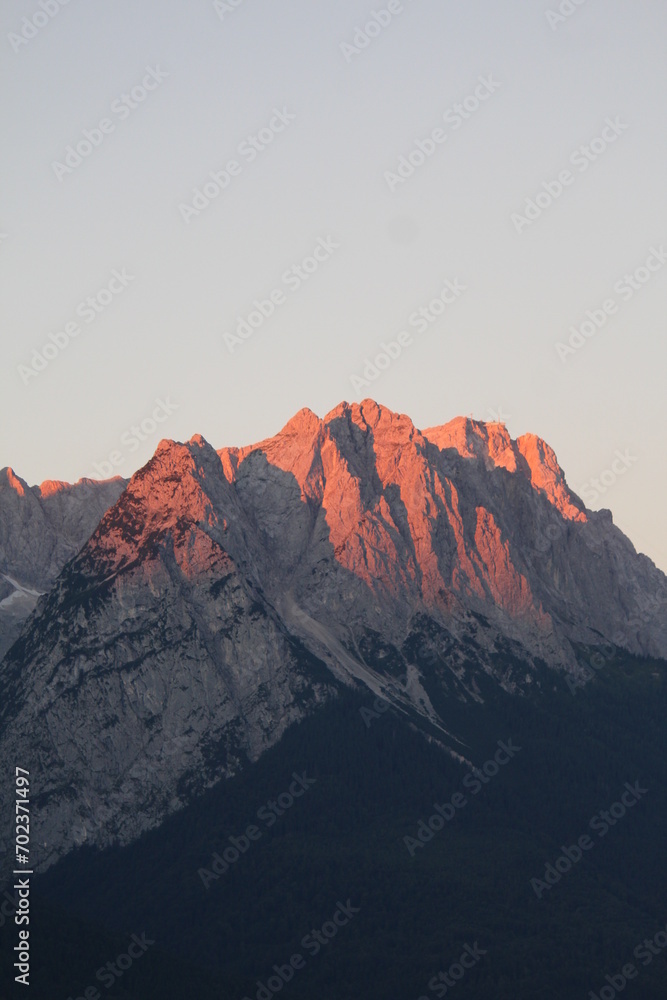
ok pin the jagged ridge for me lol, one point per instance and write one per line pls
(194, 625)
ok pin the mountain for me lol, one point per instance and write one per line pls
(452, 521)
(225, 912)
(41, 527)
(226, 596)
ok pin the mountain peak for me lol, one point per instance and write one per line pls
(369, 415)
(303, 422)
(528, 455)
(546, 475)
(199, 440)
(175, 453)
(9, 478)
(52, 486)
(166, 444)
(431, 564)
(476, 439)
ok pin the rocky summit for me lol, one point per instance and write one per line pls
(41, 527)
(190, 616)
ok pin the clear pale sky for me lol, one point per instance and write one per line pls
(340, 108)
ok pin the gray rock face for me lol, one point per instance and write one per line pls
(377, 522)
(226, 595)
(154, 658)
(41, 527)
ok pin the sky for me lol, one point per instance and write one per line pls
(216, 213)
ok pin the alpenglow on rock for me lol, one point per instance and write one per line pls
(225, 595)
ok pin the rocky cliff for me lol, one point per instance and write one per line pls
(41, 527)
(225, 595)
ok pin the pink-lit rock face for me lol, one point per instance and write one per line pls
(9, 480)
(529, 455)
(546, 475)
(398, 514)
(223, 595)
(165, 500)
(359, 512)
(507, 586)
(456, 516)
(473, 439)
(50, 487)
